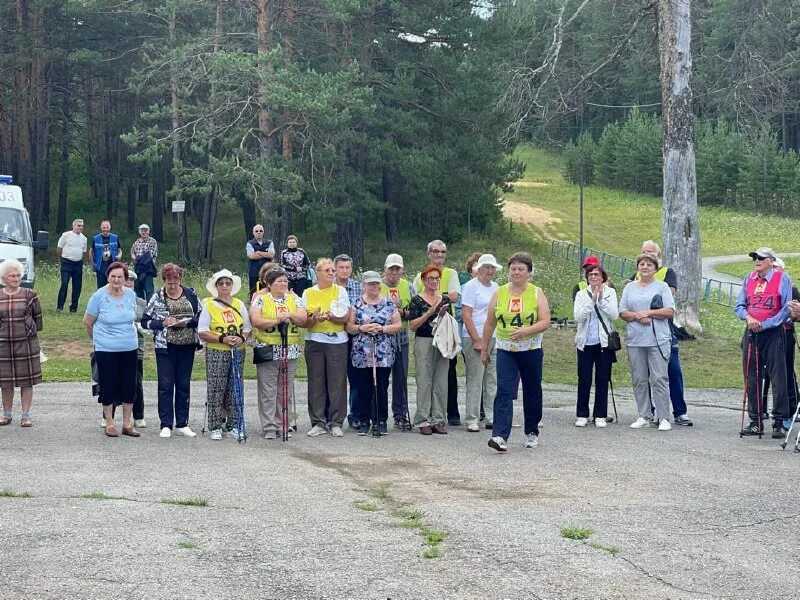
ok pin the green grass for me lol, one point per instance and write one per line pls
(192, 502)
(432, 552)
(187, 545)
(100, 496)
(7, 493)
(617, 221)
(572, 532)
(741, 269)
(433, 536)
(366, 505)
(612, 550)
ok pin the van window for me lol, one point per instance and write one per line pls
(14, 226)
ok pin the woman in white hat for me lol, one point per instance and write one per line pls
(481, 379)
(224, 326)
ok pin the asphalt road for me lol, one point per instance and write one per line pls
(692, 513)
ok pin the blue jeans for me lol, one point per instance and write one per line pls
(675, 375)
(144, 286)
(71, 271)
(511, 366)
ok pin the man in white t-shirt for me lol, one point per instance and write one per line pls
(72, 247)
(481, 379)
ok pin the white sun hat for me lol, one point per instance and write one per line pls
(211, 284)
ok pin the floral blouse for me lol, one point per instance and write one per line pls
(361, 354)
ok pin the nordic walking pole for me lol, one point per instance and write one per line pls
(749, 342)
(283, 375)
(613, 400)
(376, 431)
(759, 399)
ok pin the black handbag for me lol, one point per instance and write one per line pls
(262, 354)
(614, 341)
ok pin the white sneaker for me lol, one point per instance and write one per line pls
(473, 427)
(336, 431)
(185, 431)
(316, 431)
(581, 422)
(165, 432)
(139, 423)
(664, 425)
(103, 422)
(216, 435)
(600, 422)
(498, 444)
(639, 423)
(531, 441)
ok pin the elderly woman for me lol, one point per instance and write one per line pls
(224, 326)
(374, 321)
(295, 262)
(431, 367)
(111, 324)
(647, 305)
(173, 314)
(275, 310)
(594, 310)
(517, 315)
(20, 322)
(481, 379)
(328, 310)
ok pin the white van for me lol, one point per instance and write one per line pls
(16, 239)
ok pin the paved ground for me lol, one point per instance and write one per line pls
(693, 513)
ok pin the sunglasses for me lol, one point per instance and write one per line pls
(224, 282)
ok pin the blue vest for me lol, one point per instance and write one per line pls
(255, 265)
(101, 248)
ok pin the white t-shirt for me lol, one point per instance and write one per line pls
(477, 296)
(73, 245)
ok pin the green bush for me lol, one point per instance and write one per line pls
(718, 159)
(579, 160)
(628, 155)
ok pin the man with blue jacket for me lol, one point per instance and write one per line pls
(105, 249)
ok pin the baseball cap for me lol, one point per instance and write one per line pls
(144, 226)
(393, 260)
(370, 277)
(591, 261)
(762, 252)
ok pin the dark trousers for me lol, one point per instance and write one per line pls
(144, 286)
(675, 374)
(452, 392)
(791, 378)
(369, 408)
(595, 359)
(511, 366)
(138, 402)
(117, 373)
(174, 365)
(400, 383)
(352, 394)
(71, 271)
(298, 286)
(764, 353)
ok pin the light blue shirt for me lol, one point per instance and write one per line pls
(114, 328)
(635, 298)
(786, 295)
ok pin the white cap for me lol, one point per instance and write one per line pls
(144, 226)
(779, 263)
(488, 260)
(763, 252)
(393, 260)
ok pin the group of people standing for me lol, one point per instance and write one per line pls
(358, 331)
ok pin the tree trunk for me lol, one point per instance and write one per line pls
(248, 212)
(63, 178)
(388, 182)
(679, 221)
(157, 226)
(131, 205)
(350, 240)
(265, 123)
(183, 235)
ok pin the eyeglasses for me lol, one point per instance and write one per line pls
(432, 278)
(438, 251)
(224, 282)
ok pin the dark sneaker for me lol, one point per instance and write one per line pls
(683, 420)
(779, 431)
(382, 428)
(752, 429)
(363, 429)
(402, 425)
(488, 425)
(498, 444)
(353, 424)
(454, 422)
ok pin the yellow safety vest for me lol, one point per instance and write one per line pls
(224, 320)
(444, 282)
(322, 300)
(271, 310)
(513, 312)
(402, 291)
(660, 275)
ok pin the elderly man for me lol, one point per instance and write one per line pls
(144, 252)
(259, 252)
(449, 286)
(763, 303)
(398, 290)
(72, 248)
(105, 249)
